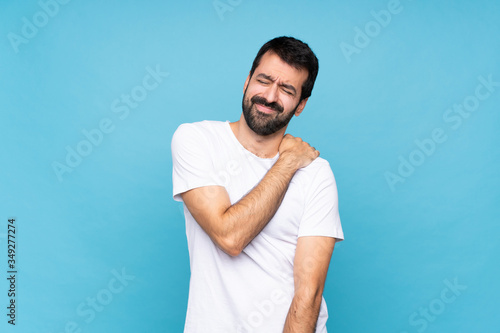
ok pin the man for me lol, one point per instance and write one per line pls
(260, 206)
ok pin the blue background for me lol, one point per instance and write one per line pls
(114, 211)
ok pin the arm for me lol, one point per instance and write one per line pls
(232, 227)
(312, 258)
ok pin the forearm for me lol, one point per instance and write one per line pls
(312, 258)
(245, 219)
(233, 226)
(303, 314)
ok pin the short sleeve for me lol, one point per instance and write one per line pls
(192, 164)
(321, 213)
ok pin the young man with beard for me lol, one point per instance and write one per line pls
(260, 206)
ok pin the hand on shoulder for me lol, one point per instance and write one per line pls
(297, 152)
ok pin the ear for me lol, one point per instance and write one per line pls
(301, 106)
(246, 83)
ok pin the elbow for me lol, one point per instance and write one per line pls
(233, 252)
(230, 246)
(228, 239)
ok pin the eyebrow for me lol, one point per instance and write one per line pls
(287, 86)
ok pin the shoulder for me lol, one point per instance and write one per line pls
(198, 131)
(318, 166)
(205, 126)
(317, 173)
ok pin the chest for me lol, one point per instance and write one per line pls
(241, 178)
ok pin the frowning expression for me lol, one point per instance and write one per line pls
(272, 95)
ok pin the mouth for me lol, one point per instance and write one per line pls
(265, 109)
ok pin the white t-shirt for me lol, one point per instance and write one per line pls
(251, 292)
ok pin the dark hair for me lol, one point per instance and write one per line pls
(296, 54)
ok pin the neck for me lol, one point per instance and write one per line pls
(262, 146)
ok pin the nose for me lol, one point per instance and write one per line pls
(271, 93)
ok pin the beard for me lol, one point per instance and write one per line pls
(263, 123)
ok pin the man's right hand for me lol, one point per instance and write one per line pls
(296, 152)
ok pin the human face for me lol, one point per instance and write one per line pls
(272, 95)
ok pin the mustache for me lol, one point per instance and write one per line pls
(261, 100)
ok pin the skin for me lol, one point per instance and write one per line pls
(233, 226)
